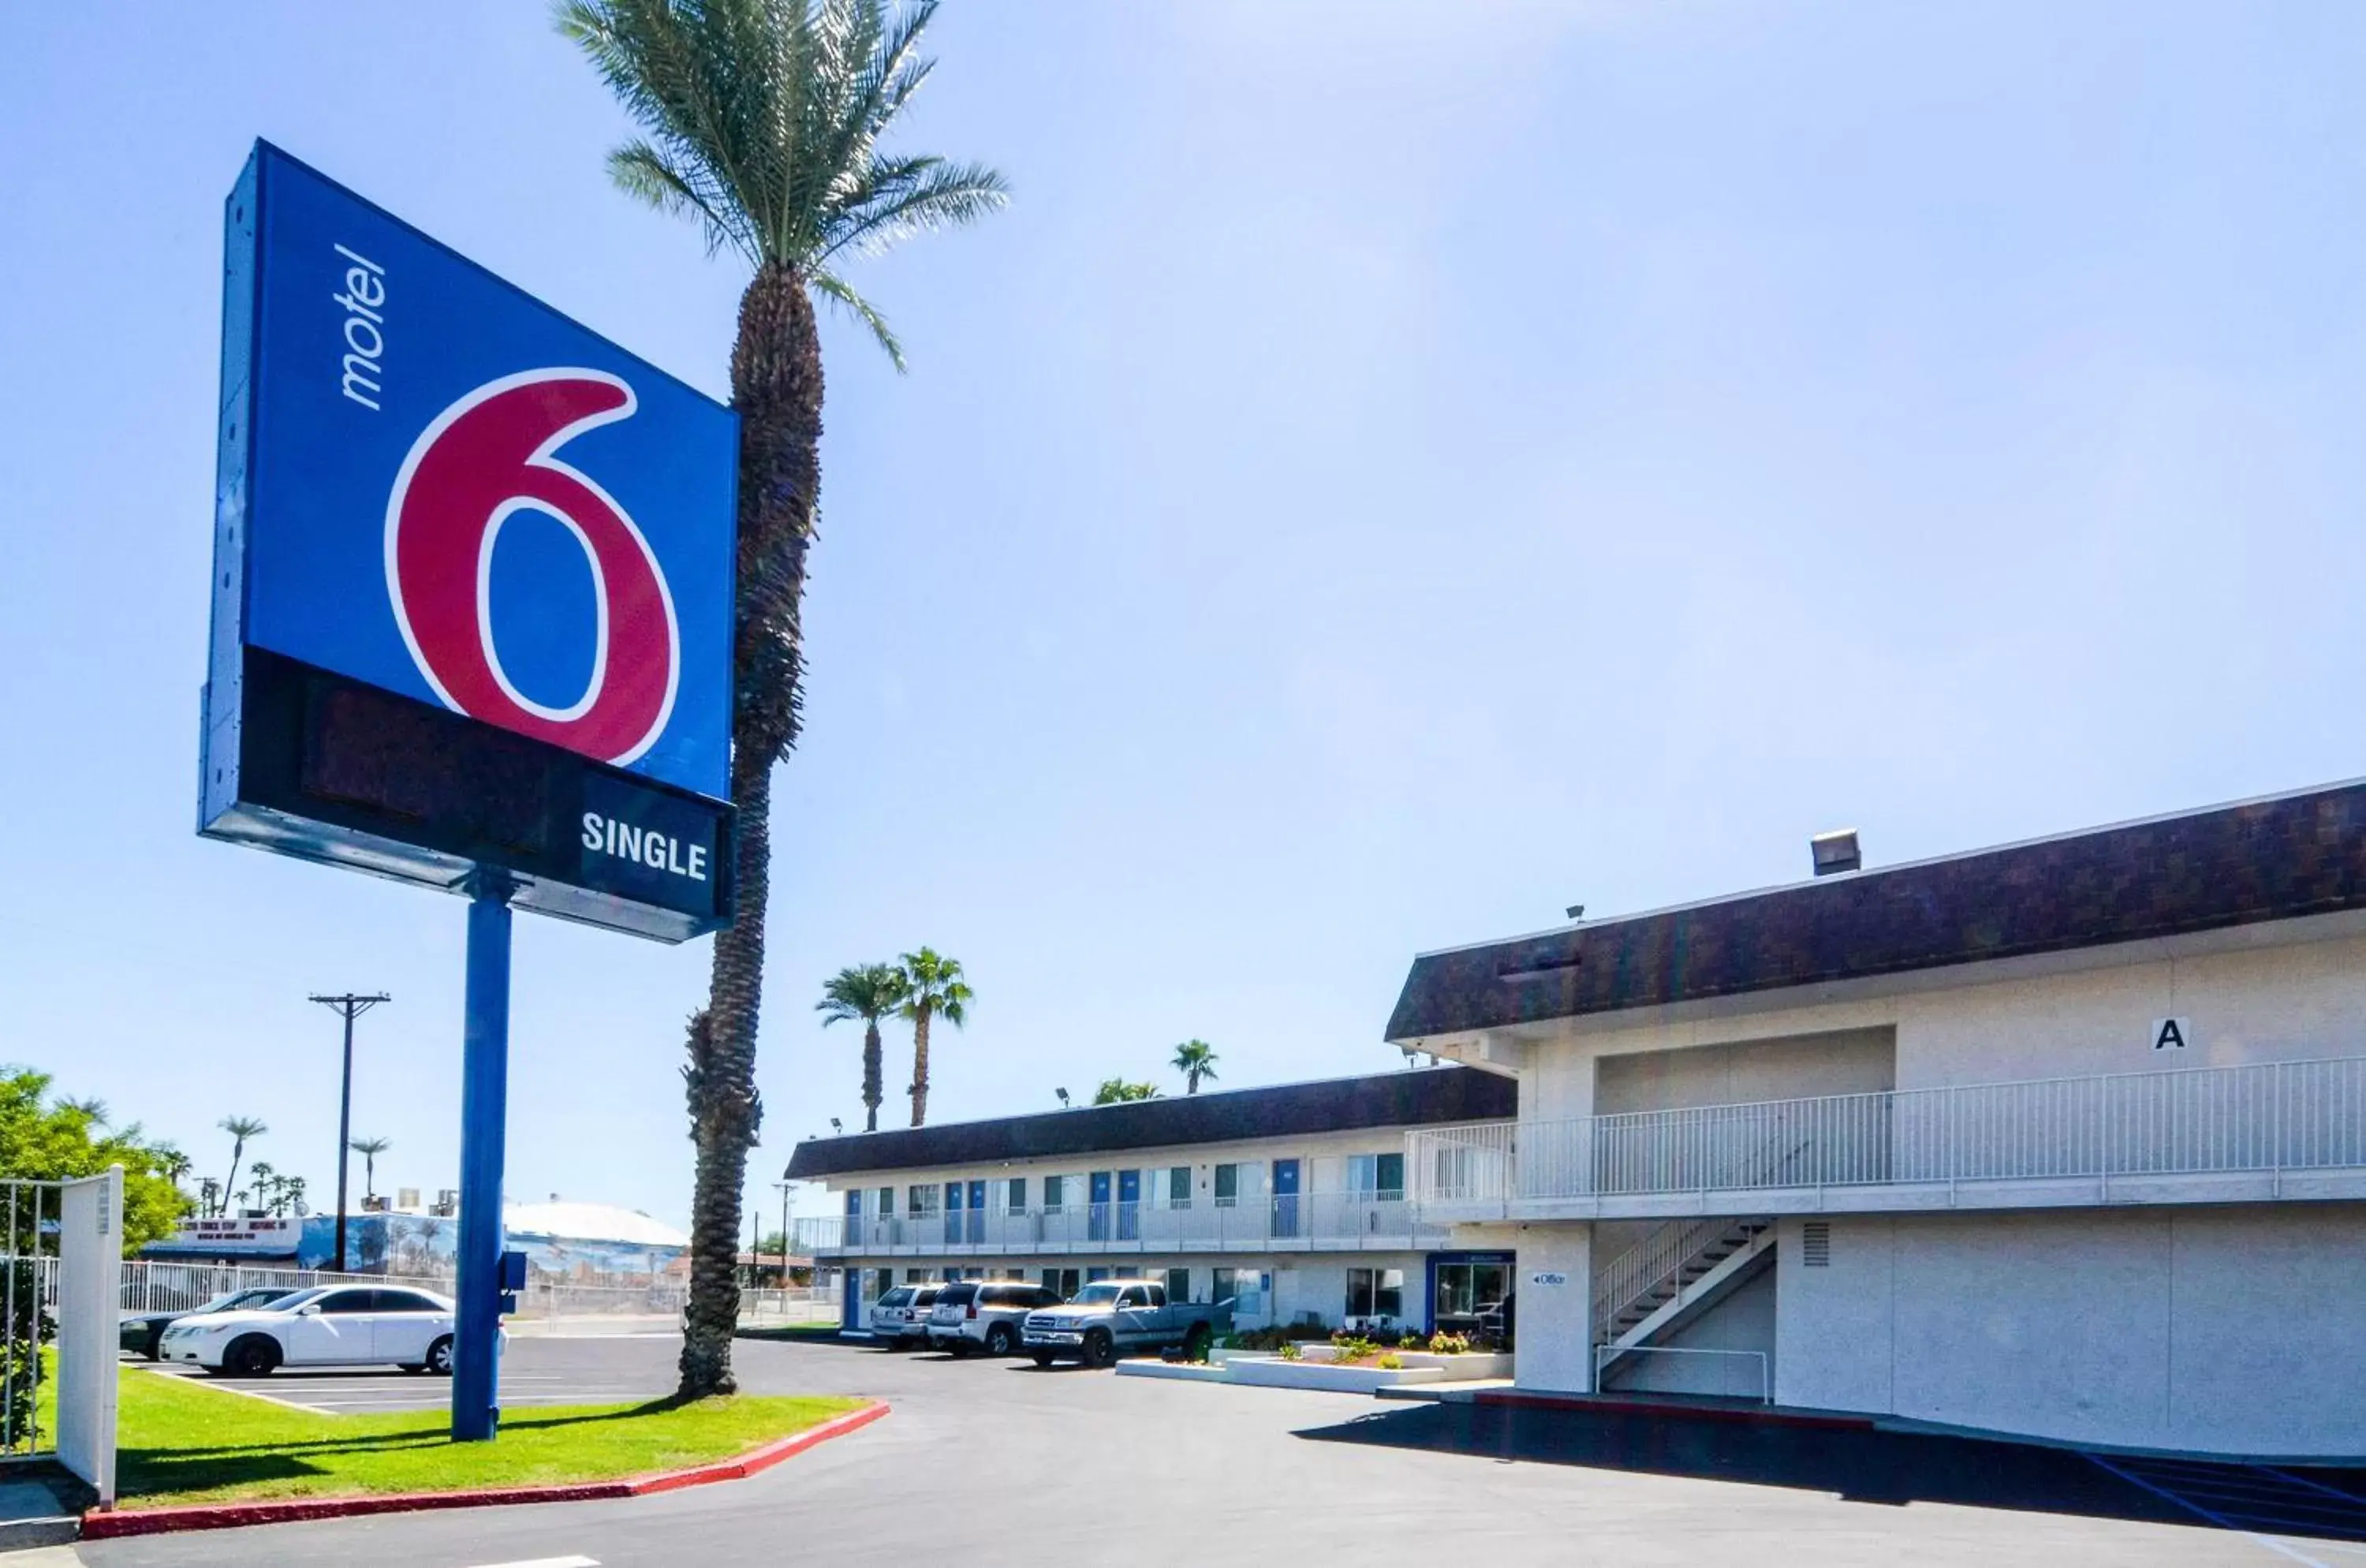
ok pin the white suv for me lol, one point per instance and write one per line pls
(984, 1314)
(901, 1317)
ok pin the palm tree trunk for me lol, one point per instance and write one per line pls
(872, 1069)
(920, 1068)
(776, 388)
(237, 1153)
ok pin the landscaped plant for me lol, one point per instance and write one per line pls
(1449, 1345)
(1391, 1362)
(1289, 1350)
(1352, 1348)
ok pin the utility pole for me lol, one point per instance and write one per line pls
(349, 1007)
(784, 1243)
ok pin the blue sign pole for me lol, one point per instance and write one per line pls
(484, 1125)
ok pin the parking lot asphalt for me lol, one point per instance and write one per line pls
(1006, 1462)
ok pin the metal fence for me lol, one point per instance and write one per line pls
(1341, 1219)
(34, 1214)
(2263, 1118)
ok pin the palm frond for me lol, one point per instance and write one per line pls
(762, 119)
(835, 288)
(902, 197)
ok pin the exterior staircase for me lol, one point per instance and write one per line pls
(1671, 1274)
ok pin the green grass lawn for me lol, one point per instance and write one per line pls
(181, 1441)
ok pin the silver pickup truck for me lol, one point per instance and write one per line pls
(1110, 1318)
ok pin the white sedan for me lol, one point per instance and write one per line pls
(332, 1326)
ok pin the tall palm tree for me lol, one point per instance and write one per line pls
(762, 121)
(1195, 1059)
(239, 1128)
(369, 1150)
(934, 987)
(870, 992)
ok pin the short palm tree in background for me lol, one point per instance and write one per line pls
(869, 992)
(762, 121)
(239, 1128)
(1118, 1092)
(369, 1150)
(1195, 1059)
(934, 987)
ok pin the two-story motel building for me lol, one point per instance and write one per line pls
(1290, 1200)
(2066, 1138)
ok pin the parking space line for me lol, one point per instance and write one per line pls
(546, 1562)
(2193, 1507)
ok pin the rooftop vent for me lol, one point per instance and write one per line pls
(1835, 852)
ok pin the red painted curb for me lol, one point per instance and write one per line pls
(97, 1526)
(1596, 1403)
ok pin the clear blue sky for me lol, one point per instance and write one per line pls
(1394, 472)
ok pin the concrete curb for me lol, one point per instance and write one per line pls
(97, 1526)
(1610, 1404)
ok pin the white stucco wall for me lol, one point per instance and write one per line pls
(1743, 1321)
(2293, 993)
(2238, 1329)
(1552, 1341)
(1792, 1068)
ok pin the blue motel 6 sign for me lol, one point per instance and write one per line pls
(473, 582)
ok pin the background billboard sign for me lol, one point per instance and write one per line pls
(473, 580)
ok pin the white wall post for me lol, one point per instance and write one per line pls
(90, 1270)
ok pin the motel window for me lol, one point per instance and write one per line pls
(1228, 1186)
(1179, 1284)
(1063, 1282)
(1016, 1200)
(1178, 1187)
(1093, 1274)
(1244, 1288)
(1055, 1194)
(886, 1203)
(1376, 1293)
(1376, 1178)
(916, 1276)
(921, 1200)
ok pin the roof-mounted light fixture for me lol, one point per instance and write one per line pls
(1835, 852)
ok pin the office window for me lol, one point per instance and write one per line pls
(1228, 1186)
(1016, 1200)
(1179, 1284)
(1055, 1194)
(1376, 1293)
(1178, 1187)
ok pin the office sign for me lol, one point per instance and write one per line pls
(473, 577)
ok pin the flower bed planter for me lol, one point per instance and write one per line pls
(1317, 1367)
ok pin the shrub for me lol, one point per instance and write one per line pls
(1413, 1342)
(1390, 1362)
(1289, 1350)
(1449, 1345)
(1354, 1347)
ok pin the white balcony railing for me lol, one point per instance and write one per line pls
(2266, 1118)
(1325, 1220)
